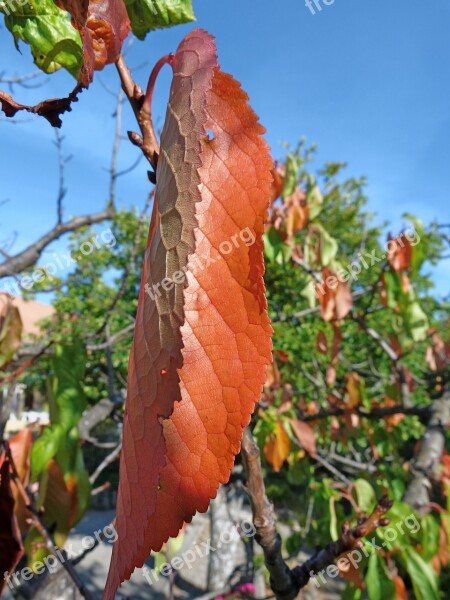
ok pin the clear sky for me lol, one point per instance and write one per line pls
(367, 80)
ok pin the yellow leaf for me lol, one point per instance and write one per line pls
(277, 447)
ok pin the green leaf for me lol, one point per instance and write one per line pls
(54, 42)
(314, 200)
(10, 333)
(430, 531)
(379, 585)
(418, 253)
(146, 15)
(328, 247)
(275, 250)
(69, 364)
(309, 292)
(351, 592)
(45, 448)
(365, 495)
(393, 288)
(333, 519)
(291, 176)
(416, 321)
(424, 579)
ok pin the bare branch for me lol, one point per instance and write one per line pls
(28, 257)
(114, 455)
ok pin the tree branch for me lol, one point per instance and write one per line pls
(28, 257)
(285, 582)
(148, 143)
(424, 466)
(422, 411)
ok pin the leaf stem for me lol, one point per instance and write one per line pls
(168, 59)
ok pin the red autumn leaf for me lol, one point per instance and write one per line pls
(321, 343)
(393, 420)
(349, 571)
(202, 335)
(399, 252)
(103, 26)
(11, 548)
(437, 355)
(51, 109)
(20, 445)
(278, 180)
(282, 356)
(335, 297)
(305, 436)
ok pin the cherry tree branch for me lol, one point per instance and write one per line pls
(424, 466)
(147, 141)
(28, 257)
(422, 411)
(286, 582)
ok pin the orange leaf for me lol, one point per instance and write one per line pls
(297, 218)
(202, 335)
(305, 436)
(399, 253)
(11, 548)
(350, 572)
(353, 390)
(278, 447)
(335, 298)
(277, 185)
(330, 377)
(58, 499)
(400, 589)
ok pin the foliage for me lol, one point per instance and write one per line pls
(361, 342)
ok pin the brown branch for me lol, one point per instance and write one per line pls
(315, 309)
(424, 466)
(384, 345)
(148, 143)
(28, 257)
(422, 411)
(114, 455)
(285, 582)
(114, 338)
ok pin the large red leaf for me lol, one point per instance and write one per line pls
(11, 548)
(200, 350)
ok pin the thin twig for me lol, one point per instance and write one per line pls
(114, 455)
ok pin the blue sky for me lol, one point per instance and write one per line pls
(368, 81)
